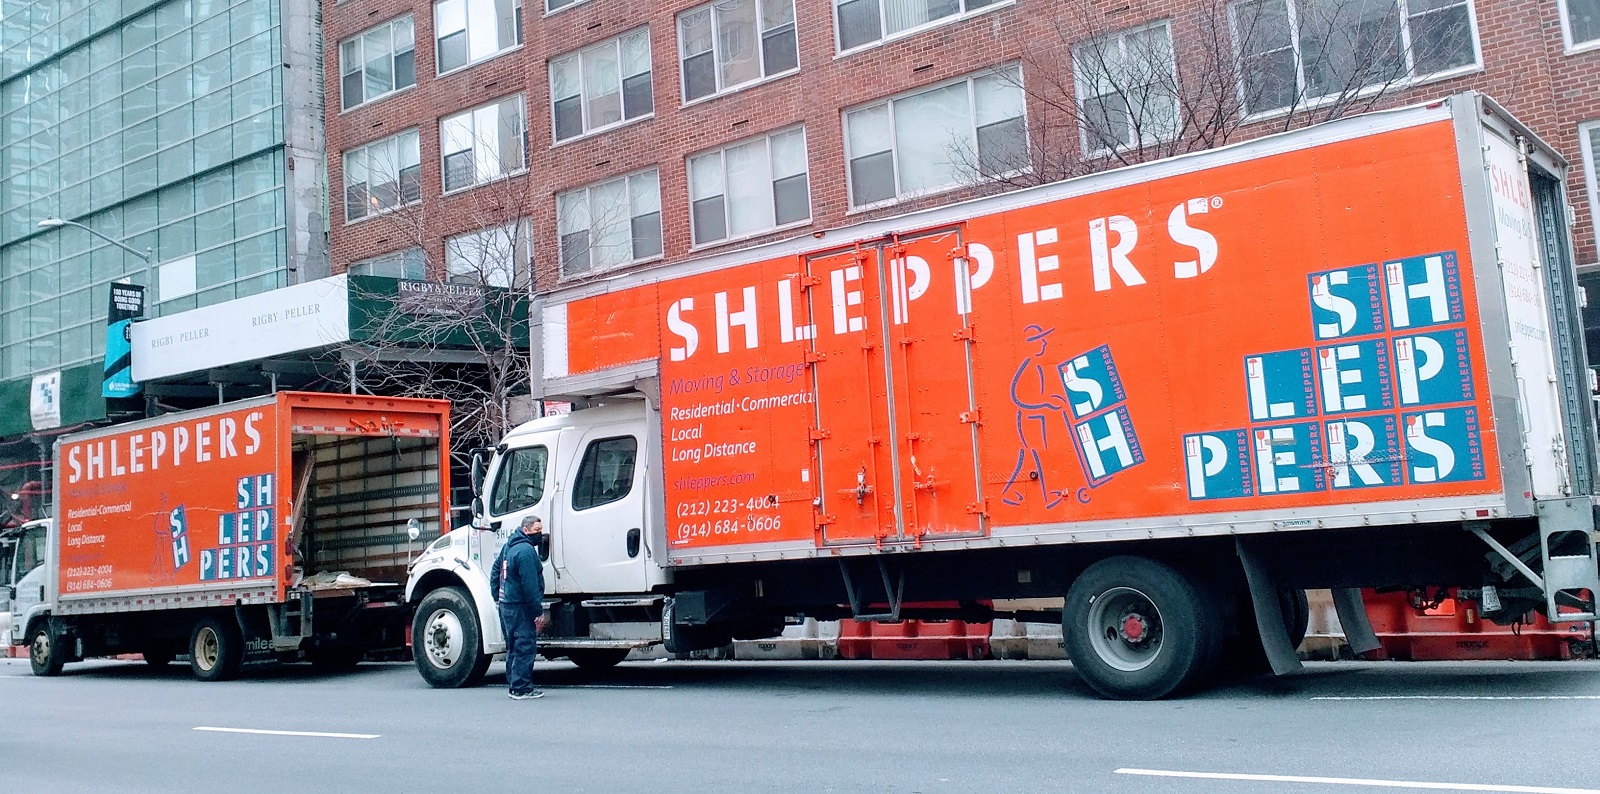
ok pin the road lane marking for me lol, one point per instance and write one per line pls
(316, 734)
(608, 686)
(1351, 781)
(1456, 697)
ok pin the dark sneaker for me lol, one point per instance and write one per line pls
(533, 695)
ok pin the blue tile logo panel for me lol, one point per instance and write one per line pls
(1363, 452)
(1355, 376)
(1217, 464)
(1280, 385)
(1433, 368)
(1347, 302)
(1443, 446)
(1092, 382)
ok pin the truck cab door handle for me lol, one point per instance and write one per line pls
(633, 542)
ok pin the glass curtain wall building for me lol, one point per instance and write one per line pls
(165, 125)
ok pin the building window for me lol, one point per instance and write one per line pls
(406, 264)
(1580, 20)
(552, 6)
(1298, 52)
(377, 63)
(863, 22)
(730, 43)
(499, 256)
(1589, 140)
(609, 224)
(481, 144)
(381, 176)
(601, 86)
(1127, 85)
(937, 138)
(469, 31)
(750, 187)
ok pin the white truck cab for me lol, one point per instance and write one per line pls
(588, 475)
(22, 574)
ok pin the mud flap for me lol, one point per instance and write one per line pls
(1269, 612)
(1353, 617)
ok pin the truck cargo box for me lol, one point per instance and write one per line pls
(241, 503)
(1369, 322)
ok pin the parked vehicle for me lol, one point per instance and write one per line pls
(258, 531)
(1175, 395)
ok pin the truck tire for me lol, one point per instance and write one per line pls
(215, 649)
(447, 641)
(594, 660)
(44, 655)
(1242, 654)
(337, 658)
(1138, 629)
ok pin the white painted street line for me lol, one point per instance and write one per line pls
(315, 734)
(1456, 697)
(1351, 781)
(607, 686)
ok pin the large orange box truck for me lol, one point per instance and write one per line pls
(266, 530)
(1174, 395)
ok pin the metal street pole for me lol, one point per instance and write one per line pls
(148, 255)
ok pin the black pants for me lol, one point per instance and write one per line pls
(522, 634)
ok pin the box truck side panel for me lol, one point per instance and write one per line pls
(189, 503)
(1278, 336)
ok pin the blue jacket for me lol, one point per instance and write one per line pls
(518, 574)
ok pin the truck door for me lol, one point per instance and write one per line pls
(896, 434)
(517, 490)
(601, 530)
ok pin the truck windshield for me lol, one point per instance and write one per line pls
(20, 559)
(520, 481)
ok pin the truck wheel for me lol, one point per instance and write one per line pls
(43, 654)
(596, 659)
(215, 649)
(1137, 629)
(1242, 654)
(159, 657)
(339, 658)
(447, 643)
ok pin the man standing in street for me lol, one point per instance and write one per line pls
(518, 587)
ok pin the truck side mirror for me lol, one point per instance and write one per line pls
(413, 529)
(480, 466)
(477, 513)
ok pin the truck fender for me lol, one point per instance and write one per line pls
(459, 574)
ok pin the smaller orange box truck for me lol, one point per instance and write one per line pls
(260, 531)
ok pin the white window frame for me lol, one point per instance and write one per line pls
(1082, 91)
(1569, 46)
(570, 4)
(364, 150)
(1589, 144)
(518, 232)
(716, 52)
(438, 51)
(588, 190)
(477, 140)
(1411, 79)
(838, 44)
(360, 40)
(583, 98)
(696, 242)
(364, 266)
(894, 150)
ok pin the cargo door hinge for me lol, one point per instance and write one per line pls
(967, 334)
(807, 281)
(979, 508)
(816, 434)
(972, 417)
(812, 357)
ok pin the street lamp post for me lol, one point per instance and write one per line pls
(148, 255)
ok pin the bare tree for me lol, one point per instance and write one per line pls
(454, 325)
(1103, 92)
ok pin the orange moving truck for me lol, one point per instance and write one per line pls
(257, 531)
(1174, 395)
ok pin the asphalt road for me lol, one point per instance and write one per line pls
(801, 726)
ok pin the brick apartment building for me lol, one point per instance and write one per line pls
(601, 134)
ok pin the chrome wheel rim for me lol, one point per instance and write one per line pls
(41, 648)
(1125, 629)
(442, 638)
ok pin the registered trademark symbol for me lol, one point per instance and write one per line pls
(1216, 202)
